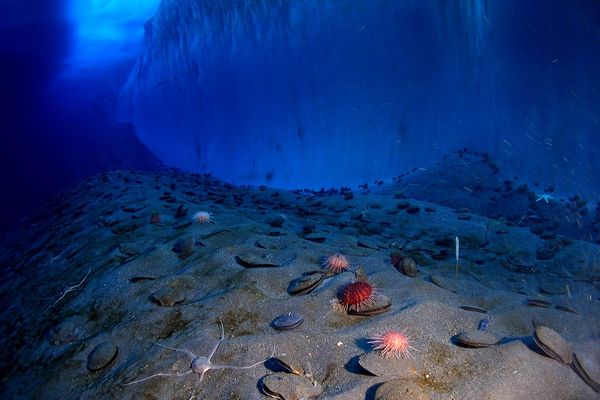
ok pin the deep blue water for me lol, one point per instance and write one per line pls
(297, 94)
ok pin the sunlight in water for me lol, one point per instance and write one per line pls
(106, 32)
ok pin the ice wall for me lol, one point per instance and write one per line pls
(328, 92)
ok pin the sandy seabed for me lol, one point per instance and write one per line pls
(101, 281)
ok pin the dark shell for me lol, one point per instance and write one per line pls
(413, 209)
(538, 303)
(102, 356)
(250, 260)
(552, 344)
(566, 309)
(270, 244)
(287, 321)
(315, 237)
(396, 259)
(369, 244)
(276, 221)
(444, 283)
(290, 365)
(65, 332)
(184, 247)
(401, 389)
(387, 368)
(125, 227)
(378, 305)
(215, 232)
(281, 385)
(129, 249)
(402, 204)
(136, 279)
(474, 309)
(305, 284)
(181, 211)
(408, 266)
(476, 339)
(587, 370)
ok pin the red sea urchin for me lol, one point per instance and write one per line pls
(357, 295)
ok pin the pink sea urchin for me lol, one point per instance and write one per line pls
(392, 344)
(336, 263)
(202, 217)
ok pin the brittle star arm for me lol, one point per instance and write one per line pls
(213, 366)
(214, 350)
(189, 353)
(71, 288)
(159, 374)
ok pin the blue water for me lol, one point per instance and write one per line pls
(409, 131)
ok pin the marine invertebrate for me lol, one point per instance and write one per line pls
(336, 263)
(357, 295)
(201, 364)
(392, 344)
(202, 217)
(70, 289)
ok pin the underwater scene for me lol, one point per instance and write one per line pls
(300, 199)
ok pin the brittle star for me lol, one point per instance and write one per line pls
(201, 365)
(70, 289)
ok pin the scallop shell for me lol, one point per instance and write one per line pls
(281, 385)
(400, 389)
(102, 356)
(287, 321)
(290, 365)
(251, 260)
(476, 339)
(409, 267)
(378, 305)
(587, 370)
(65, 332)
(184, 247)
(552, 344)
(388, 367)
(305, 284)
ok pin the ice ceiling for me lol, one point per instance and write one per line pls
(328, 93)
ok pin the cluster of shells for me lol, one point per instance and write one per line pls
(548, 341)
(336, 264)
(552, 344)
(294, 382)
